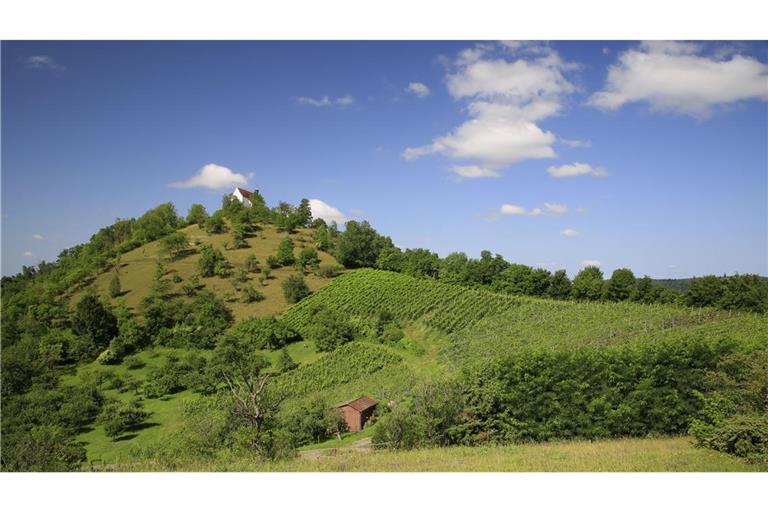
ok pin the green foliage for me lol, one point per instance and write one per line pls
(263, 332)
(345, 364)
(743, 435)
(252, 263)
(588, 284)
(284, 254)
(212, 262)
(391, 259)
(420, 263)
(197, 214)
(156, 223)
(174, 245)
(216, 223)
(239, 232)
(559, 286)
(285, 362)
(295, 288)
(119, 417)
(94, 322)
(114, 286)
(308, 258)
(360, 245)
(330, 329)
(328, 271)
(251, 294)
(325, 236)
(621, 285)
(41, 448)
(304, 213)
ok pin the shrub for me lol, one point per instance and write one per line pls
(284, 254)
(252, 263)
(250, 294)
(285, 362)
(328, 271)
(295, 288)
(263, 332)
(215, 223)
(308, 258)
(272, 262)
(211, 262)
(330, 329)
(114, 286)
(134, 362)
(741, 435)
(119, 417)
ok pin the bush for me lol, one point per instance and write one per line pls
(330, 329)
(134, 362)
(212, 262)
(119, 417)
(263, 332)
(328, 271)
(42, 448)
(252, 263)
(742, 435)
(295, 288)
(272, 262)
(250, 294)
(284, 254)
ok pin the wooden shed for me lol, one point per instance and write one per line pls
(357, 412)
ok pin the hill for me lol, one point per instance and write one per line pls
(137, 269)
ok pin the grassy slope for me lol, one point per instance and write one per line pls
(138, 267)
(429, 352)
(662, 454)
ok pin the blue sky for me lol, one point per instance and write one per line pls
(652, 156)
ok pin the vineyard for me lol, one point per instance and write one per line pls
(346, 364)
(366, 292)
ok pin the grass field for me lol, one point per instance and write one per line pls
(137, 269)
(662, 454)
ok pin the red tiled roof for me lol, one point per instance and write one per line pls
(244, 192)
(359, 404)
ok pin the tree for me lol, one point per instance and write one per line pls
(295, 288)
(704, 291)
(175, 244)
(215, 223)
(621, 285)
(197, 214)
(284, 254)
(588, 284)
(239, 232)
(455, 269)
(156, 223)
(252, 263)
(94, 321)
(747, 292)
(643, 292)
(304, 213)
(250, 294)
(538, 282)
(515, 280)
(114, 285)
(265, 332)
(360, 245)
(212, 262)
(308, 258)
(330, 329)
(240, 368)
(119, 417)
(42, 448)
(559, 285)
(420, 263)
(285, 362)
(390, 258)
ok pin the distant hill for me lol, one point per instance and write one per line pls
(679, 285)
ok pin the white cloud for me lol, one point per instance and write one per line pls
(326, 101)
(322, 210)
(214, 177)
(549, 209)
(506, 98)
(575, 143)
(591, 263)
(568, 232)
(581, 209)
(575, 169)
(555, 208)
(419, 89)
(43, 62)
(38, 237)
(474, 171)
(678, 77)
(347, 99)
(27, 254)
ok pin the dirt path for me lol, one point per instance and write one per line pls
(359, 446)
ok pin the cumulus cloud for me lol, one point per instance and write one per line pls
(326, 101)
(680, 77)
(38, 237)
(508, 88)
(214, 177)
(27, 254)
(43, 62)
(591, 263)
(474, 171)
(419, 89)
(548, 209)
(568, 232)
(575, 169)
(322, 210)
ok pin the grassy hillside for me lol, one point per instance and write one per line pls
(662, 454)
(137, 269)
(445, 328)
